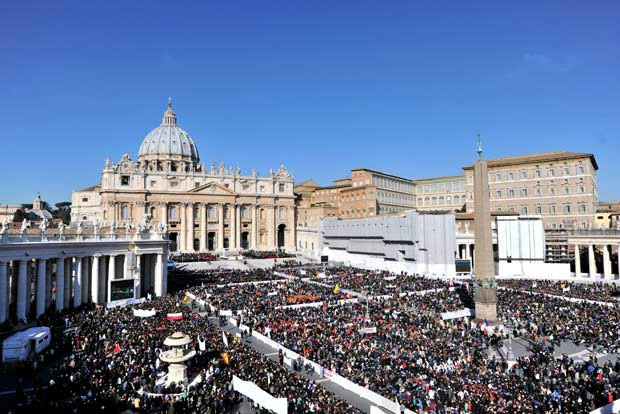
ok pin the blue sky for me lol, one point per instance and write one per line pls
(322, 87)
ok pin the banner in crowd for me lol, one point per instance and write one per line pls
(125, 302)
(463, 313)
(174, 316)
(370, 330)
(144, 313)
(259, 396)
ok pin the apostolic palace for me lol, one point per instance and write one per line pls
(203, 208)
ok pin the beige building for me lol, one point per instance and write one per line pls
(559, 186)
(440, 194)
(310, 211)
(607, 216)
(204, 209)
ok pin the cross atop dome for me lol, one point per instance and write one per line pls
(170, 117)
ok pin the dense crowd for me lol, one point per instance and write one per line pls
(111, 364)
(179, 278)
(194, 257)
(262, 254)
(597, 291)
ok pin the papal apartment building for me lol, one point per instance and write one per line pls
(559, 186)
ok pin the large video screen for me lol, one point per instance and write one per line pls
(122, 289)
(463, 265)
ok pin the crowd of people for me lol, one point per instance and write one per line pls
(195, 257)
(263, 254)
(596, 291)
(397, 342)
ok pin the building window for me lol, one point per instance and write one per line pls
(245, 213)
(124, 180)
(84, 218)
(281, 187)
(262, 213)
(511, 193)
(524, 192)
(523, 174)
(537, 173)
(552, 191)
(498, 176)
(84, 199)
(565, 171)
(211, 213)
(173, 212)
(582, 208)
(441, 201)
(511, 176)
(538, 191)
(567, 209)
(434, 201)
(124, 212)
(566, 190)
(457, 199)
(551, 172)
(448, 200)
(427, 201)
(524, 210)
(580, 169)
(582, 190)
(195, 213)
(246, 187)
(538, 210)
(153, 184)
(174, 184)
(552, 209)
(498, 194)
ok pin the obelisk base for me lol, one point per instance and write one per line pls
(485, 297)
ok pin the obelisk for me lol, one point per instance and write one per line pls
(485, 288)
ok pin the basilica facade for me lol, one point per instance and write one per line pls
(203, 208)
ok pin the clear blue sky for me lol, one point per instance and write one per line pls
(321, 86)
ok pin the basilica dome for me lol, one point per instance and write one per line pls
(169, 141)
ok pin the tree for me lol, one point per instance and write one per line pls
(19, 216)
(63, 211)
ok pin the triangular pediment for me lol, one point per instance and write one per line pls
(212, 188)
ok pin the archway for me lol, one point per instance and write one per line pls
(244, 240)
(226, 242)
(173, 241)
(281, 229)
(211, 241)
(196, 245)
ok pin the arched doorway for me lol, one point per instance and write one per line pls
(244, 240)
(281, 229)
(211, 241)
(173, 241)
(196, 245)
(226, 242)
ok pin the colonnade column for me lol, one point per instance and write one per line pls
(77, 281)
(189, 242)
(67, 276)
(48, 285)
(21, 290)
(137, 276)
(254, 227)
(60, 284)
(41, 273)
(577, 261)
(220, 229)
(111, 275)
(203, 227)
(239, 225)
(591, 262)
(183, 232)
(94, 280)
(606, 262)
(3, 291)
(159, 277)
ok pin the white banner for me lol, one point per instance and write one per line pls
(259, 396)
(371, 330)
(463, 313)
(144, 313)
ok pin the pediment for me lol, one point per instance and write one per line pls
(212, 188)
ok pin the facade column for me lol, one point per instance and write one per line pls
(203, 227)
(189, 243)
(274, 227)
(292, 230)
(577, 261)
(94, 280)
(77, 281)
(253, 236)
(60, 284)
(232, 238)
(183, 232)
(606, 262)
(220, 228)
(111, 275)
(159, 282)
(239, 225)
(138, 275)
(164, 213)
(591, 262)
(21, 290)
(3, 292)
(41, 287)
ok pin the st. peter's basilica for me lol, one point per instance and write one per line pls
(204, 208)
